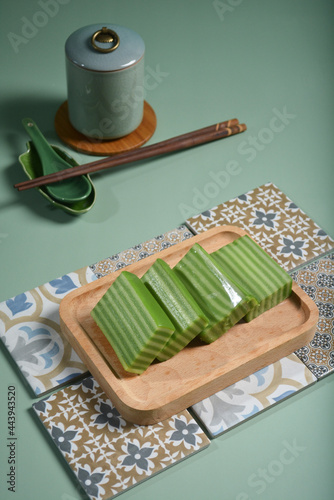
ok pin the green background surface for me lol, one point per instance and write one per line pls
(209, 61)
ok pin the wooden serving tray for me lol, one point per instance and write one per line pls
(199, 370)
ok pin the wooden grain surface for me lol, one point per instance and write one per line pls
(79, 142)
(199, 370)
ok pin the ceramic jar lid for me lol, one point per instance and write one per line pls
(104, 47)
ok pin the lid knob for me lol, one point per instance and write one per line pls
(104, 36)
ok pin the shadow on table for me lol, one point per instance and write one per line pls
(42, 110)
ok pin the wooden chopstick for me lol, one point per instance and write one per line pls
(184, 141)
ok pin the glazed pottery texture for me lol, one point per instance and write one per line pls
(105, 89)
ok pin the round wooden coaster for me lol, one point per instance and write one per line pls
(88, 145)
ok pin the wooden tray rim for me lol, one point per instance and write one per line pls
(143, 412)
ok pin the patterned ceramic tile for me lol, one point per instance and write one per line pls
(29, 322)
(317, 279)
(107, 454)
(292, 239)
(29, 328)
(274, 221)
(138, 252)
(248, 397)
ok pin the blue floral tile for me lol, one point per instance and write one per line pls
(107, 454)
(30, 326)
(274, 221)
(293, 239)
(250, 396)
(317, 280)
(30, 330)
(265, 219)
(140, 251)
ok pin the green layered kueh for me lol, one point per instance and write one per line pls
(223, 302)
(133, 322)
(204, 295)
(179, 305)
(252, 268)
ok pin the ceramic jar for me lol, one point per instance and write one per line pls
(105, 80)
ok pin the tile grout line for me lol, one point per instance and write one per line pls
(311, 261)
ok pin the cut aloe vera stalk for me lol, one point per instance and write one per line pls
(222, 301)
(179, 305)
(251, 267)
(133, 322)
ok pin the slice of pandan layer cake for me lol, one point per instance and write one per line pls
(133, 322)
(179, 305)
(252, 268)
(222, 301)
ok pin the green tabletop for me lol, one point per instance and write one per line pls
(267, 63)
